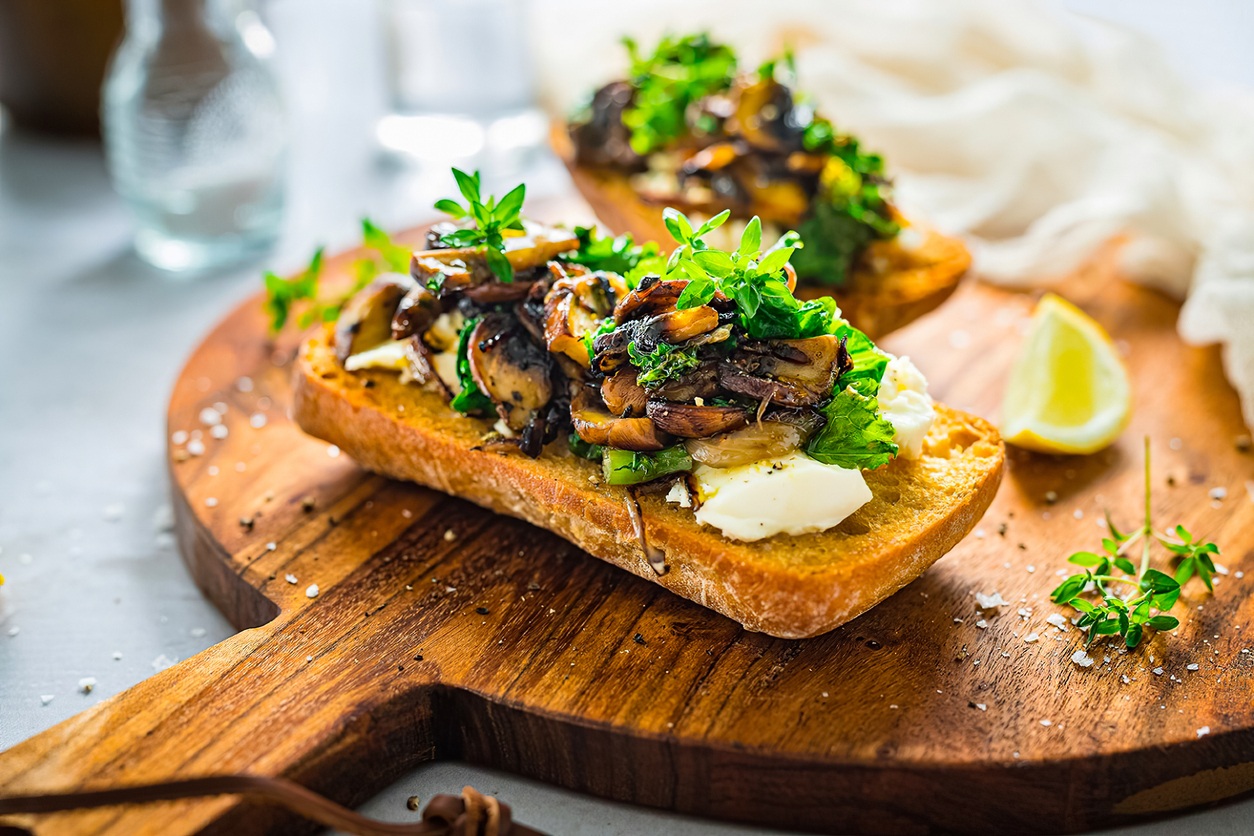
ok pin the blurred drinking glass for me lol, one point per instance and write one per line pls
(195, 132)
(461, 85)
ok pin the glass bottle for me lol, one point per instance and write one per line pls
(195, 133)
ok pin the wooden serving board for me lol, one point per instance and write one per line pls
(442, 631)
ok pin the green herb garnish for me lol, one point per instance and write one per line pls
(755, 281)
(283, 296)
(489, 218)
(663, 363)
(849, 211)
(627, 467)
(470, 400)
(1105, 613)
(855, 435)
(679, 72)
(302, 292)
(582, 449)
(618, 255)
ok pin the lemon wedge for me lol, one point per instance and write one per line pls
(1068, 390)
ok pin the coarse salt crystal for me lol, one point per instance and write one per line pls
(117, 656)
(211, 502)
(312, 591)
(450, 535)
(1203, 731)
(1192, 667)
(333, 451)
(210, 417)
(1219, 493)
(1157, 671)
(257, 420)
(1031, 637)
(1058, 620)
(179, 437)
(162, 662)
(290, 578)
(1047, 723)
(244, 384)
(1082, 659)
(982, 624)
(195, 447)
(219, 432)
(990, 601)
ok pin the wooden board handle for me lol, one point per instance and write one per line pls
(205, 716)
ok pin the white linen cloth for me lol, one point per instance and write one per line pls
(1035, 134)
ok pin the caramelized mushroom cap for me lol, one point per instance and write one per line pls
(421, 366)
(754, 442)
(510, 369)
(651, 297)
(575, 306)
(790, 373)
(764, 117)
(623, 396)
(691, 421)
(417, 310)
(467, 267)
(595, 425)
(366, 319)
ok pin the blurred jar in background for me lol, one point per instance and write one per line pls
(461, 84)
(52, 60)
(195, 133)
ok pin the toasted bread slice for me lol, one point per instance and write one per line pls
(791, 587)
(891, 286)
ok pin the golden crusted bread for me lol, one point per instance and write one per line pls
(791, 587)
(890, 287)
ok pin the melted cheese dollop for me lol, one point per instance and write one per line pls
(905, 403)
(791, 495)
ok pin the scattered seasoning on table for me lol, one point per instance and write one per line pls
(638, 639)
(481, 610)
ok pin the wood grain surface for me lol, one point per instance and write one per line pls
(441, 631)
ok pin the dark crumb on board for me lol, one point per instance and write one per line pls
(533, 587)
(333, 521)
(1023, 547)
(482, 610)
(1171, 481)
(307, 504)
(418, 657)
(1002, 529)
(246, 523)
(413, 802)
(369, 384)
(638, 639)
(1243, 443)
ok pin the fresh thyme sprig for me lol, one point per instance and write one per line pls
(302, 296)
(1105, 613)
(490, 219)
